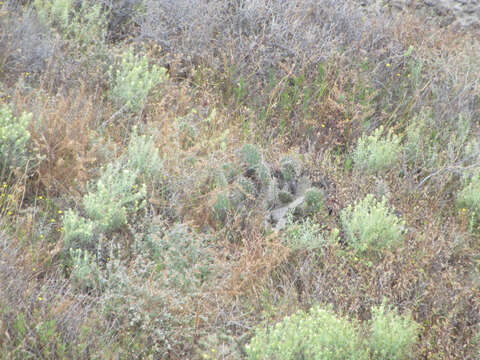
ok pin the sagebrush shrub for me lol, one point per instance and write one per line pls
(77, 231)
(14, 137)
(133, 80)
(185, 257)
(290, 168)
(114, 196)
(143, 156)
(370, 226)
(392, 336)
(314, 199)
(468, 197)
(374, 154)
(85, 275)
(222, 207)
(305, 235)
(317, 335)
(84, 22)
(251, 156)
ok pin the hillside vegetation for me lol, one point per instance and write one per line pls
(243, 179)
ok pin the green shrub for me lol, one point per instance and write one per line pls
(14, 137)
(55, 12)
(392, 336)
(85, 275)
(246, 186)
(114, 196)
(222, 207)
(317, 335)
(264, 174)
(143, 156)
(370, 226)
(229, 173)
(314, 199)
(285, 197)
(185, 257)
(251, 156)
(290, 168)
(306, 235)
(133, 81)
(187, 133)
(374, 154)
(469, 197)
(84, 22)
(78, 232)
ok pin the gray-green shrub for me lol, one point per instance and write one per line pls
(133, 80)
(376, 154)
(392, 336)
(314, 199)
(290, 168)
(14, 138)
(468, 197)
(84, 22)
(317, 335)
(85, 274)
(143, 156)
(305, 235)
(114, 196)
(370, 226)
(251, 156)
(222, 207)
(77, 231)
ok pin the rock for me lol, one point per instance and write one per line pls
(462, 13)
(278, 217)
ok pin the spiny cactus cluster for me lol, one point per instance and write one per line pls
(277, 190)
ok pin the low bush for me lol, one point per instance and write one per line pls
(251, 156)
(374, 154)
(319, 334)
(14, 137)
(304, 235)
(143, 156)
(468, 197)
(392, 336)
(84, 22)
(314, 200)
(114, 196)
(290, 168)
(85, 275)
(78, 232)
(133, 80)
(370, 226)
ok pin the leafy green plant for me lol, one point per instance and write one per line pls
(374, 154)
(114, 196)
(84, 22)
(314, 199)
(185, 257)
(290, 168)
(468, 197)
(392, 336)
(222, 207)
(251, 156)
(143, 156)
(370, 226)
(305, 235)
(78, 231)
(133, 80)
(14, 138)
(85, 275)
(317, 335)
